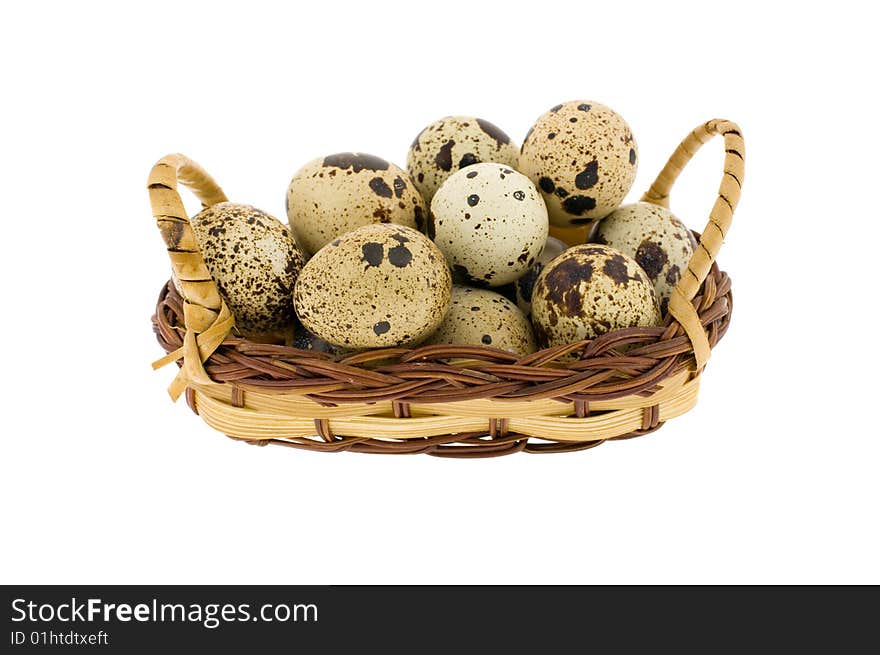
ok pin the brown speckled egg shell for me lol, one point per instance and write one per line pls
(305, 340)
(377, 286)
(490, 222)
(336, 194)
(553, 247)
(480, 317)
(655, 238)
(254, 262)
(590, 290)
(452, 143)
(583, 158)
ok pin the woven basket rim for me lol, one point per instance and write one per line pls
(661, 351)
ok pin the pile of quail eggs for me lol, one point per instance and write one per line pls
(456, 248)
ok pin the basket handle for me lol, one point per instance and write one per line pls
(720, 218)
(207, 319)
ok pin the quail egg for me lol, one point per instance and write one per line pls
(379, 285)
(254, 262)
(450, 144)
(508, 291)
(482, 317)
(552, 249)
(305, 340)
(490, 222)
(583, 157)
(333, 195)
(655, 238)
(589, 290)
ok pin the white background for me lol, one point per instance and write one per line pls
(772, 478)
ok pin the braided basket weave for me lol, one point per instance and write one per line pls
(488, 402)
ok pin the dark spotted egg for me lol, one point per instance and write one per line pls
(583, 158)
(552, 249)
(655, 238)
(254, 262)
(590, 290)
(336, 194)
(452, 143)
(490, 222)
(305, 340)
(479, 317)
(379, 285)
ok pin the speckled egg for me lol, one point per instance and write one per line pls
(590, 290)
(508, 291)
(552, 249)
(254, 262)
(479, 317)
(655, 238)
(452, 143)
(336, 194)
(305, 340)
(377, 286)
(490, 222)
(583, 157)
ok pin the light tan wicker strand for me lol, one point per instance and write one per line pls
(720, 218)
(207, 318)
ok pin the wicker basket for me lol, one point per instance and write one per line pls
(412, 400)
